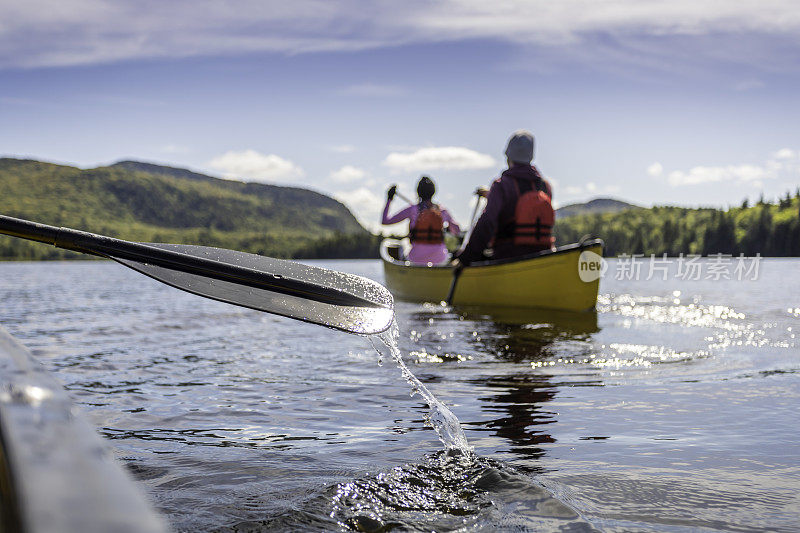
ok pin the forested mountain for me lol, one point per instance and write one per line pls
(152, 203)
(771, 229)
(598, 205)
(145, 202)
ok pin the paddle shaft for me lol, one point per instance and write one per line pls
(100, 245)
(457, 271)
(403, 197)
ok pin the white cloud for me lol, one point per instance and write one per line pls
(438, 158)
(249, 165)
(590, 188)
(783, 164)
(655, 170)
(348, 174)
(785, 153)
(703, 174)
(58, 33)
(566, 19)
(366, 205)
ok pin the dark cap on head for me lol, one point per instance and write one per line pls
(425, 188)
(520, 147)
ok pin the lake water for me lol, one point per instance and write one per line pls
(675, 407)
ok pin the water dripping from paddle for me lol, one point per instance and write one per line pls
(440, 418)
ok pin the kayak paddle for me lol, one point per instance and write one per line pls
(320, 296)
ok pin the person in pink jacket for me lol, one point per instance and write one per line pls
(427, 224)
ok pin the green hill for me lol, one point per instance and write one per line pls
(146, 202)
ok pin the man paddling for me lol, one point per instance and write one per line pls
(518, 218)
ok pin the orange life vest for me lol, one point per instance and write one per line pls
(428, 227)
(533, 216)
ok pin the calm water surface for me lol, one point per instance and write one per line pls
(673, 408)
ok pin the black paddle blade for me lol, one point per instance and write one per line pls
(374, 316)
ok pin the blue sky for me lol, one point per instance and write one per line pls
(679, 102)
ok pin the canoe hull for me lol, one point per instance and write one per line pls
(549, 280)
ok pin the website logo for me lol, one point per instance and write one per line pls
(591, 266)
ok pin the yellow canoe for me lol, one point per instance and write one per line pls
(567, 278)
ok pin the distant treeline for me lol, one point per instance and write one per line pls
(767, 228)
(150, 203)
(771, 229)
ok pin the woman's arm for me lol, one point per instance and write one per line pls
(399, 217)
(452, 226)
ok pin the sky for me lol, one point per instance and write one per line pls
(672, 102)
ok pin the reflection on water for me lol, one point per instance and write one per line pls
(518, 403)
(517, 400)
(673, 408)
(520, 336)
